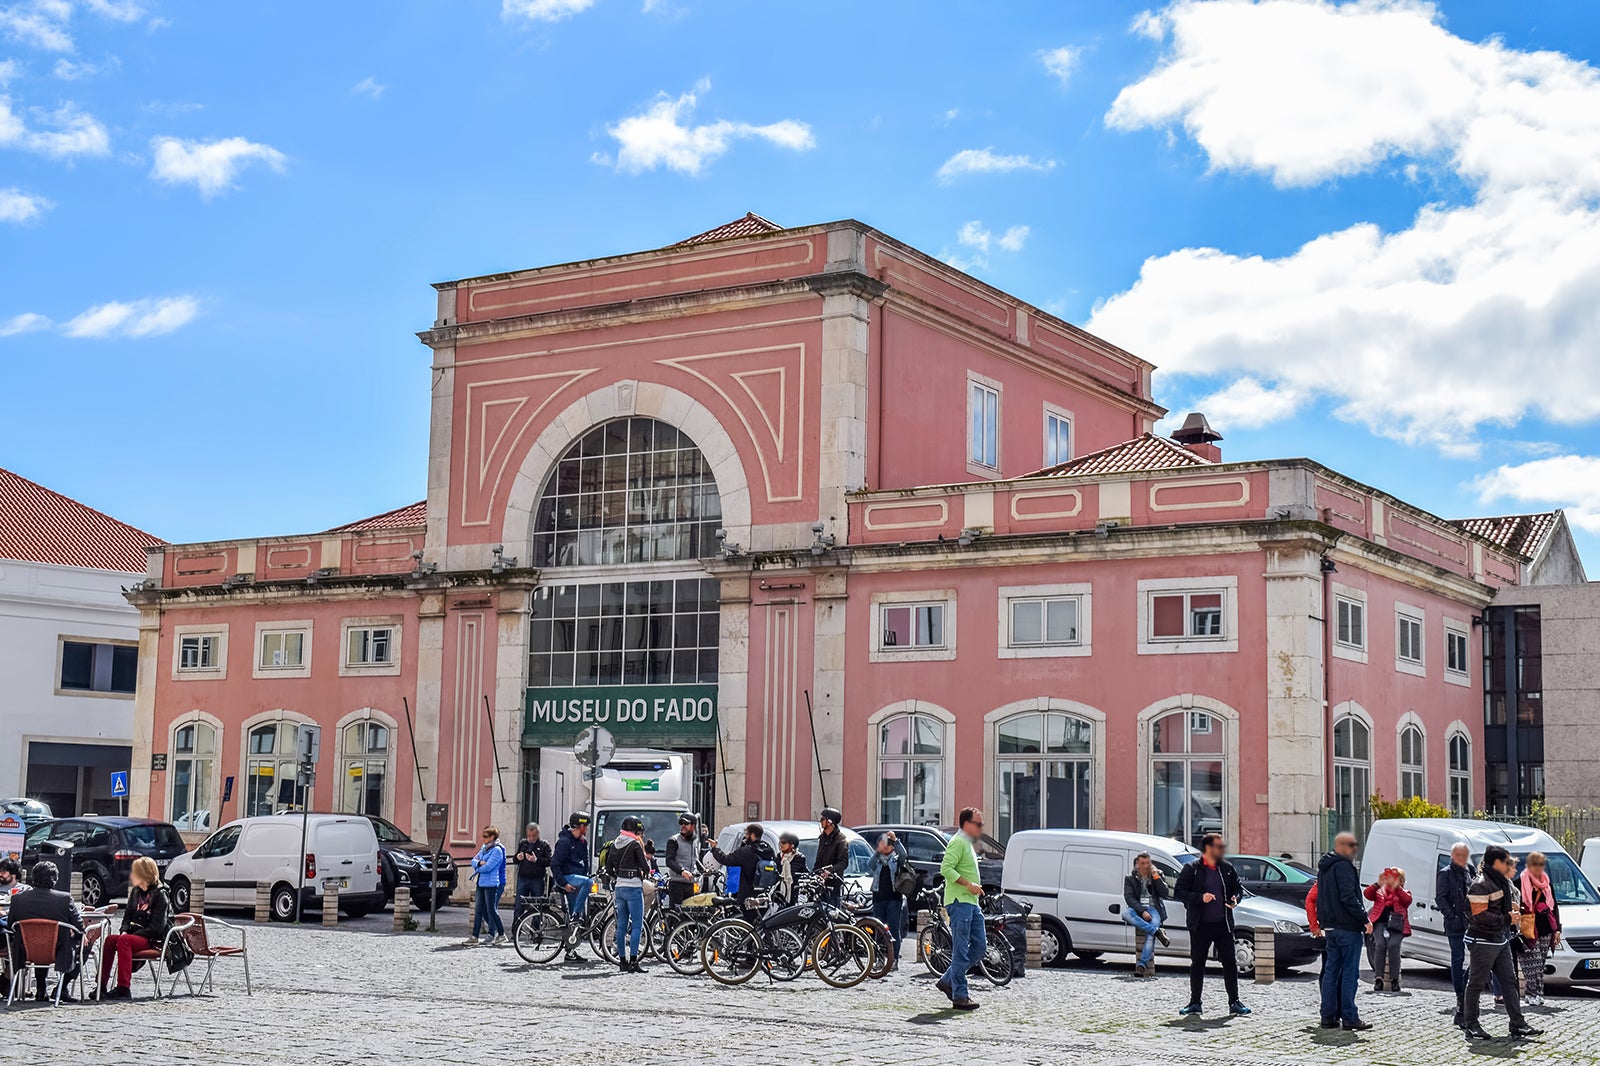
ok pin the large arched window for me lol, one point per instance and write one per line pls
(1044, 772)
(1413, 763)
(365, 749)
(1352, 772)
(1188, 775)
(911, 774)
(628, 491)
(1460, 775)
(194, 758)
(270, 778)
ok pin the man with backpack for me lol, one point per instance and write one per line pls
(683, 860)
(742, 862)
(569, 865)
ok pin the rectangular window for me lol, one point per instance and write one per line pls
(92, 667)
(1045, 621)
(912, 625)
(1057, 437)
(283, 650)
(1408, 656)
(1186, 616)
(369, 646)
(983, 433)
(1455, 652)
(658, 632)
(1351, 623)
(198, 651)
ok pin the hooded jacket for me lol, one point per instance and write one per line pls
(1339, 904)
(1491, 925)
(1398, 900)
(1191, 891)
(746, 857)
(570, 858)
(833, 853)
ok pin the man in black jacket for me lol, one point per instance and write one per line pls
(745, 858)
(1491, 903)
(1343, 917)
(533, 870)
(1145, 895)
(1450, 896)
(1209, 890)
(833, 855)
(43, 901)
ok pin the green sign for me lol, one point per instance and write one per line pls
(639, 716)
(634, 784)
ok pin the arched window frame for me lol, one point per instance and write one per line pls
(1459, 773)
(1228, 719)
(345, 760)
(280, 761)
(1411, 775)
(1356, 768)
(945, 759)
(203, 790)
(1040, 705)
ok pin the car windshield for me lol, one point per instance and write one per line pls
(1566, 880)
(28, 808)
(985, 847)
(1294, 874)
(1294, 864)
(388, 832)
(860, 856)
(659, 826)
(147, 837)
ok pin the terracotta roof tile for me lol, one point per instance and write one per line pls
(41, 526)
(748, 226)
(408, 517)
(1144, 452)
(1521, 534)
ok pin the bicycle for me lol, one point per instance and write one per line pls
(786, 942)
(934, 941)
(548, 928)
(682, 945)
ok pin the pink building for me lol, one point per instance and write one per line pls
(849, 525)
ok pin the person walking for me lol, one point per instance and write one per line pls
(1144, 894)
(968, 939)
(1343, 918)
(627, 865)
(145, 923)
(886, 871)
(569, 866)
(1209, 890)
(1492, 904)
(1391, 924)
(833, 856)
(1540, 925)
(683, 860)
(533, 871)
(1450, 897)
(489, 867)
(791, 867)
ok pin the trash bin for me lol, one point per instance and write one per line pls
(60, 853)
(1016, 934)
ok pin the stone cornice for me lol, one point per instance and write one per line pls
(334, 587)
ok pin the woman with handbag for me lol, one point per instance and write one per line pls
(1540, 926)
(144, 926)
(1391, 924)
(892, 880)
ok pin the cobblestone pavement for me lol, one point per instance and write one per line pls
(325, 996)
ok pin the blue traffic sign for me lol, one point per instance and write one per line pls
(119, 782)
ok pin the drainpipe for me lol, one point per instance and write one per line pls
(1328, 570)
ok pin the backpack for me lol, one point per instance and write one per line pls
(766, 874)
(604, 860)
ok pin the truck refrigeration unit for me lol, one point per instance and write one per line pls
(656, 785)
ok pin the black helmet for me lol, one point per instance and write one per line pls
(686, 819)
(578, 820)
(789, 838)
(830, 814)
(632, 824)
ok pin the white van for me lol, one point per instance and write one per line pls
(1073, 878)
(1589, 859)
(1421, 847)
(234, 859)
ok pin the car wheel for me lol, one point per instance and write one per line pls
(1244, 955)
(180, 894)
(359, 910)
(1054, 943)
(94, 889)
(284, 905)
(1088, 956)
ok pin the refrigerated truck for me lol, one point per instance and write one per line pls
(654, 784)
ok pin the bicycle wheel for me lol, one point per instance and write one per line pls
(731, 951)
(682, 949)
(658, 923)
(786, 954)
(882, 946)
(997, 959)
(842, 955)
(603, 934)
(540, 934)
(933, 948)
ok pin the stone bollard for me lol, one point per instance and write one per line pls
(1035, 927)
(402, 908)
(330, 904)
(197, 897)
(263, 901)
(75, 887)
(1266, 957)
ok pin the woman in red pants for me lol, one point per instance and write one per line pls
(144, 924)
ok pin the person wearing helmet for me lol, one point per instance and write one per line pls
(745, 858)
(833, 855)
(683, 859)
(627, 866)
(791, 867)
(569, 865)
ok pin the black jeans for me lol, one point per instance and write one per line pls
(1487, 959)
(1203, 938)
(1458, 964)
(528, 889)
(891, 911)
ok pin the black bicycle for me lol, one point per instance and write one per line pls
(787, 942)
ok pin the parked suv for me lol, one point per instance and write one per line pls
(403, 861)
(103, 850)
(925, 846)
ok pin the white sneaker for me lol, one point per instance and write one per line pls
(498, 940)
(470, 942)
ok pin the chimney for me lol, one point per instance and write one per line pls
(1197, 435)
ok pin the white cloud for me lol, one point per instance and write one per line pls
(1247, 404)
(975, 241)
(41, 24)
(210, 166)
(988, 161)
(8, 71)
(1571, 482)
(543, 10)
(74, 132)
(1014, 238)
(1149, 25)
(368, 87)
(18, 206)
(1061, 62)
(139, 318)
(660, 135)
(71, 70)
(1464, 318)
(23, 323)
(118, 10)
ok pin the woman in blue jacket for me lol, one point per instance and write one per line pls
(489, 867)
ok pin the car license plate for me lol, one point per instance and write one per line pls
(1591, 964)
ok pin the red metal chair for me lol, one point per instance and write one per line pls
(39, 938)
(197, 935)
(155, 959)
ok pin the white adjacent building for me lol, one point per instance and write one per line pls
(69, 646)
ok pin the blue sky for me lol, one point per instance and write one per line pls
(1363, 234)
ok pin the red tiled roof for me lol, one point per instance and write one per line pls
(748, 226)
(1144, 452)
(1521, 534)
(41, 526)
(407, 517)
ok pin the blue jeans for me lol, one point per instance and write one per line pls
(1149, 929)
(892, 912)
(487, 911)
(1458, 964)
(967, 945)
(1341, 973)
(577, 900)
(630, 919)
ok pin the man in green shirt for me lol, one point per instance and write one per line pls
(961, 891)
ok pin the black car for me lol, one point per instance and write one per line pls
(103, 850)
(925, 846)
(1280, 879)
(403, 861)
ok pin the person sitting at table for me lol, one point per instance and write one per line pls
(44, 901)
(145, 923)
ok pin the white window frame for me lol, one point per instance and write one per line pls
(1453, 775)
(345, 759)
(393, 623)
(911, 653)
(1403, 769)
(1356, 598)
(1356, 767)
(1083, 646)
(217, 671)
(976, 382)
(1403, 613)
(945, 758)
(1453, 628)
(211, 800)
(1166, 586)
(1061, 414)
(265, 629)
